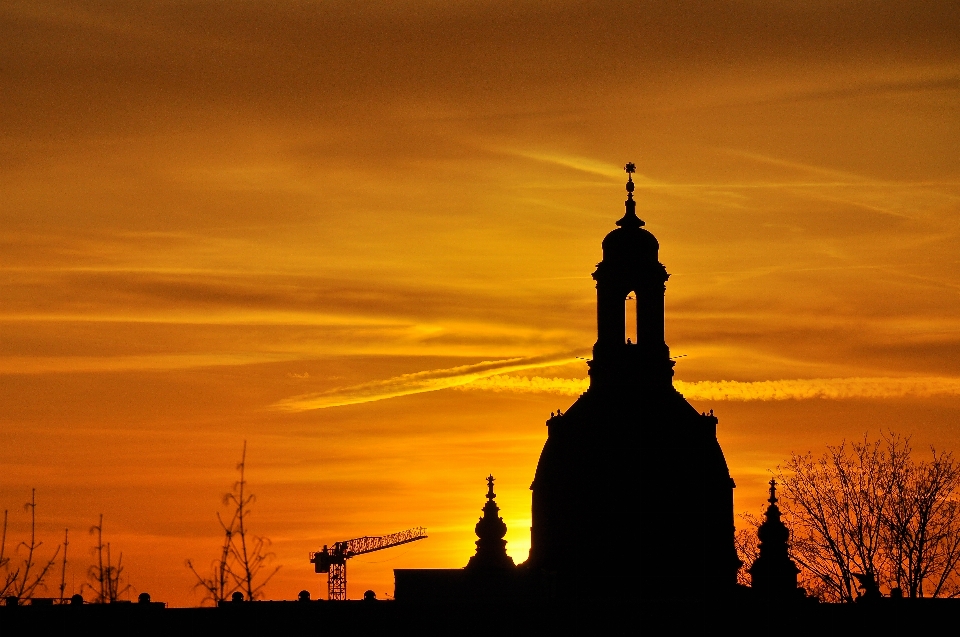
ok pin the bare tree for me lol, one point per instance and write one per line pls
(866, 512)
(748, 546)
(8, 577)
(250, 550)
(63, 567)
(244, 558)
(923, 528)
(28, 578)
(106, 579)
(221, 583)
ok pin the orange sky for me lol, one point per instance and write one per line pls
(361, 239)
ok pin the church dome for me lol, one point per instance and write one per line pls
(630, 243)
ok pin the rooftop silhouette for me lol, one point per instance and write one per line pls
(629, 465)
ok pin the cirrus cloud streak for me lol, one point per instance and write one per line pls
(765, 390)
(416, 383)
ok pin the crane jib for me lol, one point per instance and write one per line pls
(361, 545)
(333, 560)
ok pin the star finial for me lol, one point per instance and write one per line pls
(630, 219)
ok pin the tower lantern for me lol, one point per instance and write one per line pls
(630, 268)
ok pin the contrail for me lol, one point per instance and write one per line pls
(416, 383)
(795, 389)
(494, 376)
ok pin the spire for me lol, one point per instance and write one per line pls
(773, 531)
(630, 219)
(491, 547)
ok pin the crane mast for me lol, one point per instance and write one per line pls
(333, 560)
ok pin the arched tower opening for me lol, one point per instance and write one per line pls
(630, 318)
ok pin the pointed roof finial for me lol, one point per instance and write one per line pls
(773, 491)
(490, 494)
(630, 219)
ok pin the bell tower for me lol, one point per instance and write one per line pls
(630, 268)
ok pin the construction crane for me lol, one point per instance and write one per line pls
(333, 560)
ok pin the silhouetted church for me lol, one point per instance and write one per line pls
(632, 484)
(632, 462)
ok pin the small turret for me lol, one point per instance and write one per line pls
(491, 529)
(774, 574)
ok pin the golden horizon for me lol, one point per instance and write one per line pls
(360, 238)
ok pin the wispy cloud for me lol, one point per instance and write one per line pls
(826, 388)
(530, 385)
(797, 389)
(417, 383)
(495, 376)
(582, 164)
(19, 365)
